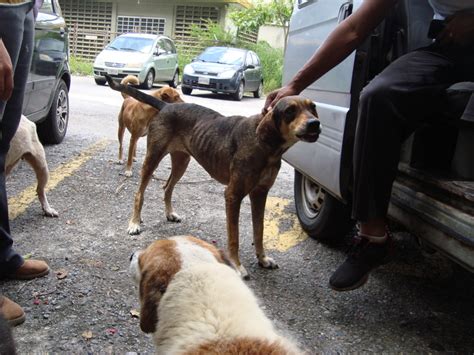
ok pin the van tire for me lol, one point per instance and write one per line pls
(322, 216)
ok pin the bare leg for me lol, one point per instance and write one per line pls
(151, 162)
(258, 198)
(179, 163)
(233, 200)
(121, 131)
(38, 163)
(131, 152)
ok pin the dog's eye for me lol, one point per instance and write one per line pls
(131, 256)
(313, 107)
(290, 112)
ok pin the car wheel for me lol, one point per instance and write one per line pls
(186, 91)
(239, 94)
(53, 129)
(149, 80)
(175, 82)
(100, 82)
(321, 215)
(258, 93)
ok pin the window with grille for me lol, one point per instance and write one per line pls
(186, 15)
(153, 25)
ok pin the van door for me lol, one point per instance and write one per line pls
(312, 21)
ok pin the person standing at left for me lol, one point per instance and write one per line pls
(16, 50)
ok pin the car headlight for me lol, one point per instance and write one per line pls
(44, 57)
(134, 65)
(188, 69)
(226, 74)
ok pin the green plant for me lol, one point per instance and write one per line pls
(80, 66)
(272, 64)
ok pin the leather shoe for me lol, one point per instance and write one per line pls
(30, 269)
(11, 311)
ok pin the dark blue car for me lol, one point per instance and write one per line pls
(224, 70)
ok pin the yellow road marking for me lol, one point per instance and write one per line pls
(282, 230)
(18, 204)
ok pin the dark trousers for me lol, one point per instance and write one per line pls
(407, 94)
(17, 32)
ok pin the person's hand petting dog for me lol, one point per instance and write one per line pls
(276, 95)
(458, 32)
(6, 73)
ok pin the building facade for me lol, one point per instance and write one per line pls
(93, 23)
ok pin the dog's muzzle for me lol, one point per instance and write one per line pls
(311, 132)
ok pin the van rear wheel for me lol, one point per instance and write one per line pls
(321, 215)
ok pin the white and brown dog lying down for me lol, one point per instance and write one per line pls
(26, 145)
(194, 302)
(136, 116)
(243, 153)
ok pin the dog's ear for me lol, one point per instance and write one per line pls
(165, 96)
(267, 129)
(152, 288)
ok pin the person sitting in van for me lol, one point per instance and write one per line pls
(406, 94)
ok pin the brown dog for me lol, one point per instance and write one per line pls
(25, 144)
(243, 153)
(136, 116)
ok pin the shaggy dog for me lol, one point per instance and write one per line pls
(195, 303)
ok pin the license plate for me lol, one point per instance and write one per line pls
(112, 71)
(203, 81)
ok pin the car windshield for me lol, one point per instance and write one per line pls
(133, 44)
(223, 56)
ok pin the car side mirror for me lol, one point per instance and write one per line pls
(250, 66)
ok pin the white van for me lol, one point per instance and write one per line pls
(433, 195)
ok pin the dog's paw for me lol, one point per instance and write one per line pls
(243, 272)
(134, 228)
(50, 212)
(267, 263)
(128, 173)
(173, 217)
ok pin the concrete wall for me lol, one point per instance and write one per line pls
(274, 35)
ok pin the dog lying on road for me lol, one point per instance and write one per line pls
(243, 153)
(194, 303)
(25, 144)
(136, 116)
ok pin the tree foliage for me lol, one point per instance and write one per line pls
(276, 12)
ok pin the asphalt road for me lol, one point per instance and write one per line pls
(418, 303)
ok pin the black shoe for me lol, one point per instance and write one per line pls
(364, 256)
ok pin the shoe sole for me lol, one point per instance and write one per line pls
(360, 283)
(16, 321)
(30, 276)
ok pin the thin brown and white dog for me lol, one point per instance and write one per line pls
(243, 153)
(26, 145)
(194, 302)
(136, 116)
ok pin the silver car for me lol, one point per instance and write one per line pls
(151, 58)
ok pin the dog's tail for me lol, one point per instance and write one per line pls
(137, 94)
(129, 79)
